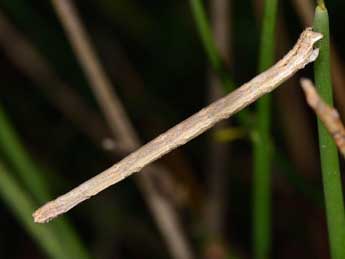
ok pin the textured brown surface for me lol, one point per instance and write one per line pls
(328, 115)
(302, 54)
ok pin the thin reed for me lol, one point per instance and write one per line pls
(328, 152)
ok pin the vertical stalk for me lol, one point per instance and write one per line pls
(219, 152)
(328, 152)
(212, 52)
(262, 152)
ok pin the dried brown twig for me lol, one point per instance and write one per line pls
(296, 128)
(34, 66)
(327, 114)
(164, 213)
(218, 151)
(305, 9)
(297, 58)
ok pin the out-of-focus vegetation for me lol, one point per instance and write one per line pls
(159, 55)
(262, 145)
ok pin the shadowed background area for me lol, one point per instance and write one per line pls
(62, 122)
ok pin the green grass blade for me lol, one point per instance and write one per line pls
(22, 207)
(14, 152)
(212, 52)
(33, 180)
(262, 152)
(214, 56)
(328, 151)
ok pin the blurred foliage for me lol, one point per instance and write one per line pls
(160, 43)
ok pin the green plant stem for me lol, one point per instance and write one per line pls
(33, 180)
(15, 152)
(262, 152)
(22, 207)
(328, 151)
(213, 54)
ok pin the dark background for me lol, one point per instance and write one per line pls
(153, 54)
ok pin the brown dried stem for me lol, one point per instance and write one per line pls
(99, 81)
(165, 215)
(327, 114)
(219, 152)
(33, 65)
(305, 9)
(297, 58)
(297, 129)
